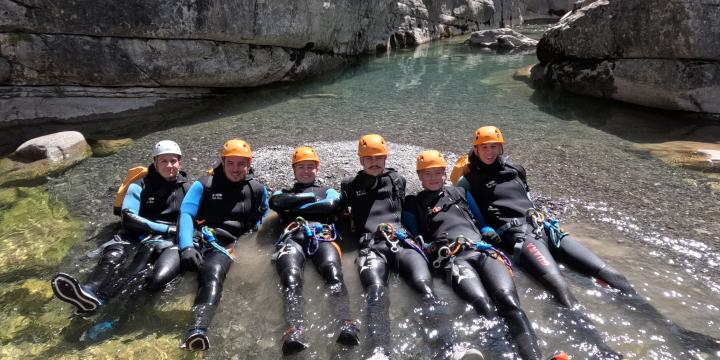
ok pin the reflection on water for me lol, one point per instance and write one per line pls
(656, 224)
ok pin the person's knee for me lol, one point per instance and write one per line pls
(375, 293)
(292, 277)
(113, 255)
(506, 300)
(331, 272)
(212, 272)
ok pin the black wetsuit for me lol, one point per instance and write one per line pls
(229, 209)
(449, 218)
(376, 200)
(149, 214)
(315, 237)
(502, 194)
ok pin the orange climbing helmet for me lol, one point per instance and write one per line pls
(237, 147)
(305, 153)
(488, 135)
(372, 145)
(430, 159)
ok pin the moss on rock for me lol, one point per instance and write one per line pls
(109, 147)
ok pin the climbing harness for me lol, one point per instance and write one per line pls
(315, 233)
(535, 218)
(208, 235)
(451, 249)
(554, 231)
(394, 236)
(542, 221)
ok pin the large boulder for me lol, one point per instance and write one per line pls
(657, 53)
(550, 10)
(44, 155)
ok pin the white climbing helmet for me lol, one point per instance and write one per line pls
(166, 147)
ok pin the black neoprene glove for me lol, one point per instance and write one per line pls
(190, 259)
(491, 237)
(172, 230)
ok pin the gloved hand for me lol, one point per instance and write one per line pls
(172, 230)
(190, 259)
(491, 237)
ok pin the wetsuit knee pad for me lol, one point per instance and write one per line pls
(331, 272)
(114, 255)
(292, 277)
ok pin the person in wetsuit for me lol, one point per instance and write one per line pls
(455, 232)
(374, 196)
(148, 216)
(308, 212)
(502, 194)
(216, 211)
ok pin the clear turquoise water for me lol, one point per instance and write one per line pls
(656, 223)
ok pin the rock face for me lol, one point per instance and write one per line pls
(657, 53)
(550, 10)
(503, 39)
(120, 46)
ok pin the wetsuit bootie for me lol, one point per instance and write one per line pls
(69, 290)
(349, 333)
(294, 341)
(196, 340)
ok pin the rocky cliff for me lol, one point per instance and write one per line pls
(657, 53)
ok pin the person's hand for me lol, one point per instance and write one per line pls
(491, 237)
(190, 259)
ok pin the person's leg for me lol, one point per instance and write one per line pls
(211, 276)
(327, 261)
(289, 261)
(373, 270)
(87, 297)
(535, 257)
(166, 268)
(500, 285)
(587, 262)
(465, 281)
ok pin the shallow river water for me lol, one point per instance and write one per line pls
(655, 223)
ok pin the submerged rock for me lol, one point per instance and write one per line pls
(688, 154)
(657, 53)
(109, 147)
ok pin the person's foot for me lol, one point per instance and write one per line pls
(560, 355)
(69, 290)
(294, 341)
(349, 333)
(196, 340)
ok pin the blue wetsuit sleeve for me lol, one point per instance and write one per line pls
(475, 210)
(463, 183)
(188, 212)
(409, 222)
(327, 206)
(264, 200)
(131, 220)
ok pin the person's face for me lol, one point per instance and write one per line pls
(488, 153)
(306, 171)
(432, 179)
(168, 166)
(236, 167)
(373, 165)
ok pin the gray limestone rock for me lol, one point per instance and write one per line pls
(62, 146)
(501, 39)
(656, 53)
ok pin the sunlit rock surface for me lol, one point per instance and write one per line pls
(658, 53)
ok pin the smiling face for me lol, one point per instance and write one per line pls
(236, 167)
(168, 166)
(432, 179)
(488, 153)
(373, 165)
(306, 171)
